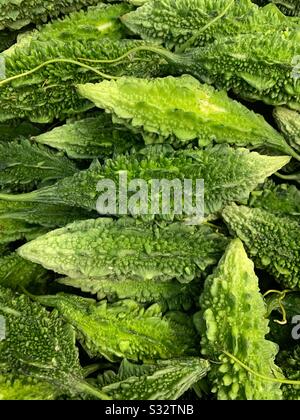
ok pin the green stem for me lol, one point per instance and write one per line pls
(263, 377)
(294, 177)
(191, 41)
(55, 61)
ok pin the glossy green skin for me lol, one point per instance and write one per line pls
(233, 319)
(104, 248)
(170, 294)
(16, 14)
(165, 380)
(181, 109)
(181, 24)
(283, 199)
(126, 329)
(24, 165)
(229, 175)
(90, 138)
(272, 241)
(288, 122)
(253, 67)
(50, 92)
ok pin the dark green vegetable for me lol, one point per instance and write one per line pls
(24, 165)
(38, 345)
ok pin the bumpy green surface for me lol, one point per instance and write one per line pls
(233, 319)
(283, 199)
(19, 13)
(165, 380)
(170, 294)
(126, 329)
(50, 92)
(187, 23)
(229, 175)
(272, 241)
(47, 215)
(40, 345)
(95, 23)
(21, 387)
(181, 109)
(14, 230)
(23, 165)
(17, 273)
(288, 122)
(89, 138)
(253, 67)
(105, 248)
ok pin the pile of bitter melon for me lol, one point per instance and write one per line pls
(101, 295)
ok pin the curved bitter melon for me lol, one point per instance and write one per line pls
(180, 110)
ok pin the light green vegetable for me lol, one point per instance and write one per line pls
(165, 380)
(126, 329)
(272, 240)
(21, 387)
(180, 110)
(92, 24)
(170, 293)
(126, 248)
(288, 122)
(233, 320)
